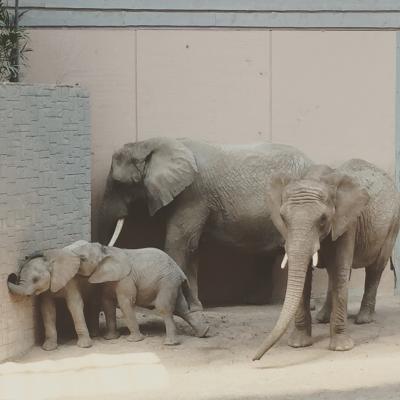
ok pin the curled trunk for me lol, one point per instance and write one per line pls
(18, 289)
(298, 265)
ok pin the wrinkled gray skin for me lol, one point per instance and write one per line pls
(218, 189)
(54, 274)
(351, 216)
(144, 277)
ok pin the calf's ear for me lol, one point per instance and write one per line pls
(63, 266)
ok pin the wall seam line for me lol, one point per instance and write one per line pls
(136, 95)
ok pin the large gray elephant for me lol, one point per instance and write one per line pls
(350, 217)
(56, 274)
(218, 189)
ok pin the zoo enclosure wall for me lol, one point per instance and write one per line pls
(187, 70)
(44, 189)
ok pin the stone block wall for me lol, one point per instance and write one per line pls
(44, 188)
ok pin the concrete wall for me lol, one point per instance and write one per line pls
(332, 94)
(44, 188)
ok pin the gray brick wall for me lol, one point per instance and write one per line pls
(44, 188)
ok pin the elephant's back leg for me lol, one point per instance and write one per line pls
(165, 304)
(182, 310)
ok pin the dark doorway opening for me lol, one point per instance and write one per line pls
(227, 275)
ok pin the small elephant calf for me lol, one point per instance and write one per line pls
(144, 277)
(56, 274)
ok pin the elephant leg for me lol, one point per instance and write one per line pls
(93, 312)
(192, 272)
(182, 241)
(110, 309)
(165, 304)
(48, 311)
(182, 310)
(324, 314)
(75, 306)
(128, 309)
(301, 335)
(373, 275)
(338, 267)
(189, 264)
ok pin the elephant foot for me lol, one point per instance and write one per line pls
(171, 341)
(202, 332)
(135, 337)
(341, 342)
(323, 315)
(365, 316)
(49, 345)
(111, 335)
(196, 307)
(300, 338)
(84, 341)
(94, 332)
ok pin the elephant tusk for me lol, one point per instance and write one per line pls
(315, 259)
(118, 229)
(284, 262)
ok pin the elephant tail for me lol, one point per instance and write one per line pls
(187, 293)
(389, 246)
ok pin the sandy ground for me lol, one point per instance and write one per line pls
(217, 367)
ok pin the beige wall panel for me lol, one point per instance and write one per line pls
(334, 93)
(210, 85)
(104, 62)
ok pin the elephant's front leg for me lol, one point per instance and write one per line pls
(324, 314)
(301, 335)
(339, 271)
(126, 297)
(189, 264)
(75, 306)
(182, 241)
(48, 311)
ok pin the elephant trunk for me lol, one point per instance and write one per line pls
(299, 261)
(113, 208)
(19, 290)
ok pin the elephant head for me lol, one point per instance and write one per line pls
(305, 212)
(42, 271)
(156, 170)
(95, 258)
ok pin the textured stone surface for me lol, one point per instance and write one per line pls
(44, 188)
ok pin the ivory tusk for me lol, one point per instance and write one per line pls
(315, 259)
(118, 229)
(284, 261)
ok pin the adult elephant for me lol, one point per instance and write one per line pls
(219, 189)
(350, 217)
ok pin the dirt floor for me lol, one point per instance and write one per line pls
(218, 367)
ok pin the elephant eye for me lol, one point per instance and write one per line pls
(35, 279)
(323, 219)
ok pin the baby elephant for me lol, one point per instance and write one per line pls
(144, 277)
(56, 274)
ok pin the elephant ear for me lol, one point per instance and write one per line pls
(170, 168)
(350, 200)
(110, 269)
(63, 266)
(274, 198)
